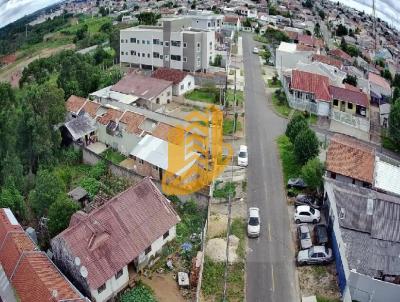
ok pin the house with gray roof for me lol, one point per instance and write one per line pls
(365, 229)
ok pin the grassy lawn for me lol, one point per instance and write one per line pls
(323, 299)
(282, 108)
(271, 84)
(201, 95)
(290, 166)
(93, 24)
(114, 156)
(227, 126)
(229, 188)
(230, 96)
(238, 228)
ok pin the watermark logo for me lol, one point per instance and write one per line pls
(196, 153)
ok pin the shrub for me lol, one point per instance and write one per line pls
(306, 146)
(312, 173)
(140, 293)
(91, 185)
(295, 126)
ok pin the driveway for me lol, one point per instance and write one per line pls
(270, 259)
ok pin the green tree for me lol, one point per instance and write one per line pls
(11, 198)
(387, 75)
(321, 13)
(48, 188)
(60, 213)
(306, 145)
(148, 18)
(12, 173)
(317, 30)
(312, 173)
(82, 32)
(396, 80)
(396, 94)
(307, 4)
(266, 55)
(394, 122)
(350, 79)
(295, 126)
(342, 30)
(106, 27)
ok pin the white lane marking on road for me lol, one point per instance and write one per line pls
(273, 277)
(269, 232)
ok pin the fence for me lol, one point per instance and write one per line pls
(302, 105)
(89, 157)
(362, 124)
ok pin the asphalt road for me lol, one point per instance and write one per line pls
(270, 259)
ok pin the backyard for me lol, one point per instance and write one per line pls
(114, 156)
(211, 95)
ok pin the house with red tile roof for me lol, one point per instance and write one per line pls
(182, 81)
(102, 250)
(327, 60)
(308, 91)
(341, 55)
(380, 89)
(28, 270)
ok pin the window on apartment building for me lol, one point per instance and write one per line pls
(166, 43)
(122, 41)
(156, 55)
(184, 59)
(138, 41)
(176, 43)
(166, 57)
(101, 288)
(197, 21)
(335, 102)
(166, 234)
(122, 53)
(155, 168)
(161, 43)
(119, 273)
(126, 41)
(209, 24)
(176, 58)
(161, 57)
(148, 250)
(198, 47)
(198, 61)
(143, 41)
(133, 40)
(143, 54)
(148, 55)
(350, 106)
(156, 41)
(184, 44)
(148, 42)
(133, 53)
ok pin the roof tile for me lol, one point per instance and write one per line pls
(172, 75)
(312, 83)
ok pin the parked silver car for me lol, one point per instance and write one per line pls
(315, 255)
(303, 233)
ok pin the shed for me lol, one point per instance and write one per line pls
(78, 194)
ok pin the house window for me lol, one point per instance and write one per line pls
(133, 40)
(184, 59)
(333, 175)
(166, 234)
(141, 161)
(122, 53)
(182, 87)
(161, 57)
(176, 43)
(156, 55)
(156, 41)
(133, 53)
(166, 43)
(335, 102)
(184, 44)
(190, 83)
(209, 24)
(168, 93)
(176, 58)
(126, 41)
(198, 47)
(350, 106)
(158, 100)
(155, 167)
(122, 41)
(119, 273)
(198, 61)
(101, 288)
(148, 250)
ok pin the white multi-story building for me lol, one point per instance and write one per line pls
(172, 44)
(206, 20)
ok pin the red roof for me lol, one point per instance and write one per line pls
(293, 35)
(34, 277)
(302, 47)
(173, 75)
(75, 103)
(231, 19)
(312, 83)
(327, 60)
(8, 59)
(141, 86)
(340, 54)
(378, 80)
(111, 115)
(306, 40)
(113, 235)
(349, 95)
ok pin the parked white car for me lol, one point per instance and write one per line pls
(315, 255)
(306, 214)
(243, 159)
(253, 224)
(256, 50)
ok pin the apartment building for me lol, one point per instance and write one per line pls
(173, 43)
(206, 20)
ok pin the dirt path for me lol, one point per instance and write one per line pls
(165, 288)
(11, 73)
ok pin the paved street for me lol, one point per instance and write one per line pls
(270, 260)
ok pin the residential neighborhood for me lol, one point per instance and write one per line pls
(200, 150)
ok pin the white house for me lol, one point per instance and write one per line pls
(182, 81)
(288, 55)
(103, 249)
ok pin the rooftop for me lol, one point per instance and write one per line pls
(81, 126)
(378, 80)
(113, 235)
(172, 75)
(312, 83)
(327, 60)
(387, 176)
(349, 95)
(350, 157)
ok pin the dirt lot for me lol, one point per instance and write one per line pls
(11, 73)
(165, 288)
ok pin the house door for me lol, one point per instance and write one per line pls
(343, 106)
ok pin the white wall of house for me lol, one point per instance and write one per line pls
(156, 247)
(288, 60)
(113, 287)
(324, 108)
(186, 85)
(164, 97)
(123, 144)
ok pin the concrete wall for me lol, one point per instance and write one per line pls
(113, 287)
(123, 144)
(186, 85)
(146, 169)
(288, 60)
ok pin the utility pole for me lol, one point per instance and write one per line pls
(374, 23)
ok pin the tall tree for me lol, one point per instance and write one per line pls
(60, 213)
(295, 126)
(312, 173)
(11, 198)
(306, 146)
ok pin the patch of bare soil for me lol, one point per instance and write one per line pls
(165, 288)
(216, 249)
(217, 225)
(319, 281)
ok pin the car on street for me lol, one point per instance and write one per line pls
(304, 199)
(315, 255)
(306, 214)
(253, 224)
(321, 234)
(243, 159)
(297, 183)
(303, 233)
(256, 50)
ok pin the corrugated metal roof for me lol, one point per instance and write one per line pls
(387, 177)
(80, 126)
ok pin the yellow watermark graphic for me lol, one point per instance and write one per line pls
(196, 153)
